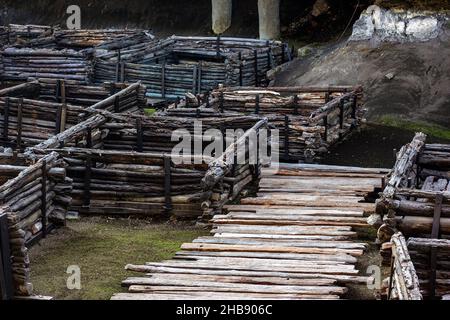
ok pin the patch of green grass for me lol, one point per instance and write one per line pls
(149, 111)
(416, 126)
(102, 248)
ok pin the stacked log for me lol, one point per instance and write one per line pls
(87, 95)
(27, 122)
(82, 39)
(113, 165)
(416, 200)
(158, 133)
(175, 65)
(309, 120)
(403, 282)
(29, 89)
(227, 176)
(419, 268)
(21, 64)
(35, 198)
(27, 35)
(431, 261)
(139, 184)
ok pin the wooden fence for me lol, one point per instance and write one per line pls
(174, 66)
(124, 165)
(309, 119)
(25, 122)
(419, 268)
(416, 199)
(35, 196)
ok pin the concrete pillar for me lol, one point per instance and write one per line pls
(269, 19)
(221, 15)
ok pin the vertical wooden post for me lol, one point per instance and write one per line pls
(241, 76)
(117, 104)
(19, 124)
(6, 120)
(286, 137)
(122, 72)
(140, 135)
(58, 91)
(44, 199)
(163, 79)
(354, 107)
(199, 80)
(194, 80)
(435, 230)
(58, 119)
(256, 68)
(221, 98)
(257, 106)
(296, 104)
(6, 278)
(167, 184)
(87, 182)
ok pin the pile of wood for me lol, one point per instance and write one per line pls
(88, 95)
(35, 197)
(416, 199)
(309, 119)
(419, 269)
(27, 35)
(279, 245)
(19, 64)
(140, 184)
(130, 176)
(403, 282)
(157, 133)
(175, 65)
(82, 39)
(26, 122)
(236, 170)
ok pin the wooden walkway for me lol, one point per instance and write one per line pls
(294, 241)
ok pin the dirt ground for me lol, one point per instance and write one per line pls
(102, 248)
(406, 81)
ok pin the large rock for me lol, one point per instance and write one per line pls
(397, 26)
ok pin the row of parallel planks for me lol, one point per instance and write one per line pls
(295, 240)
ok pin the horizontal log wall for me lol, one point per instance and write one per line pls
(35, 198)
(171, 67)
(20, 64)
(309, 120)
(227, 177)
(404, 283)
(430, 258)
(25, 34)
(139, 184)
(27, 122)
(154, 134)
(416, 199)
(119, 167)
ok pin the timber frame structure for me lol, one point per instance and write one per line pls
(309, 119)
(168, 67)
(89, 167)
(415, 204)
